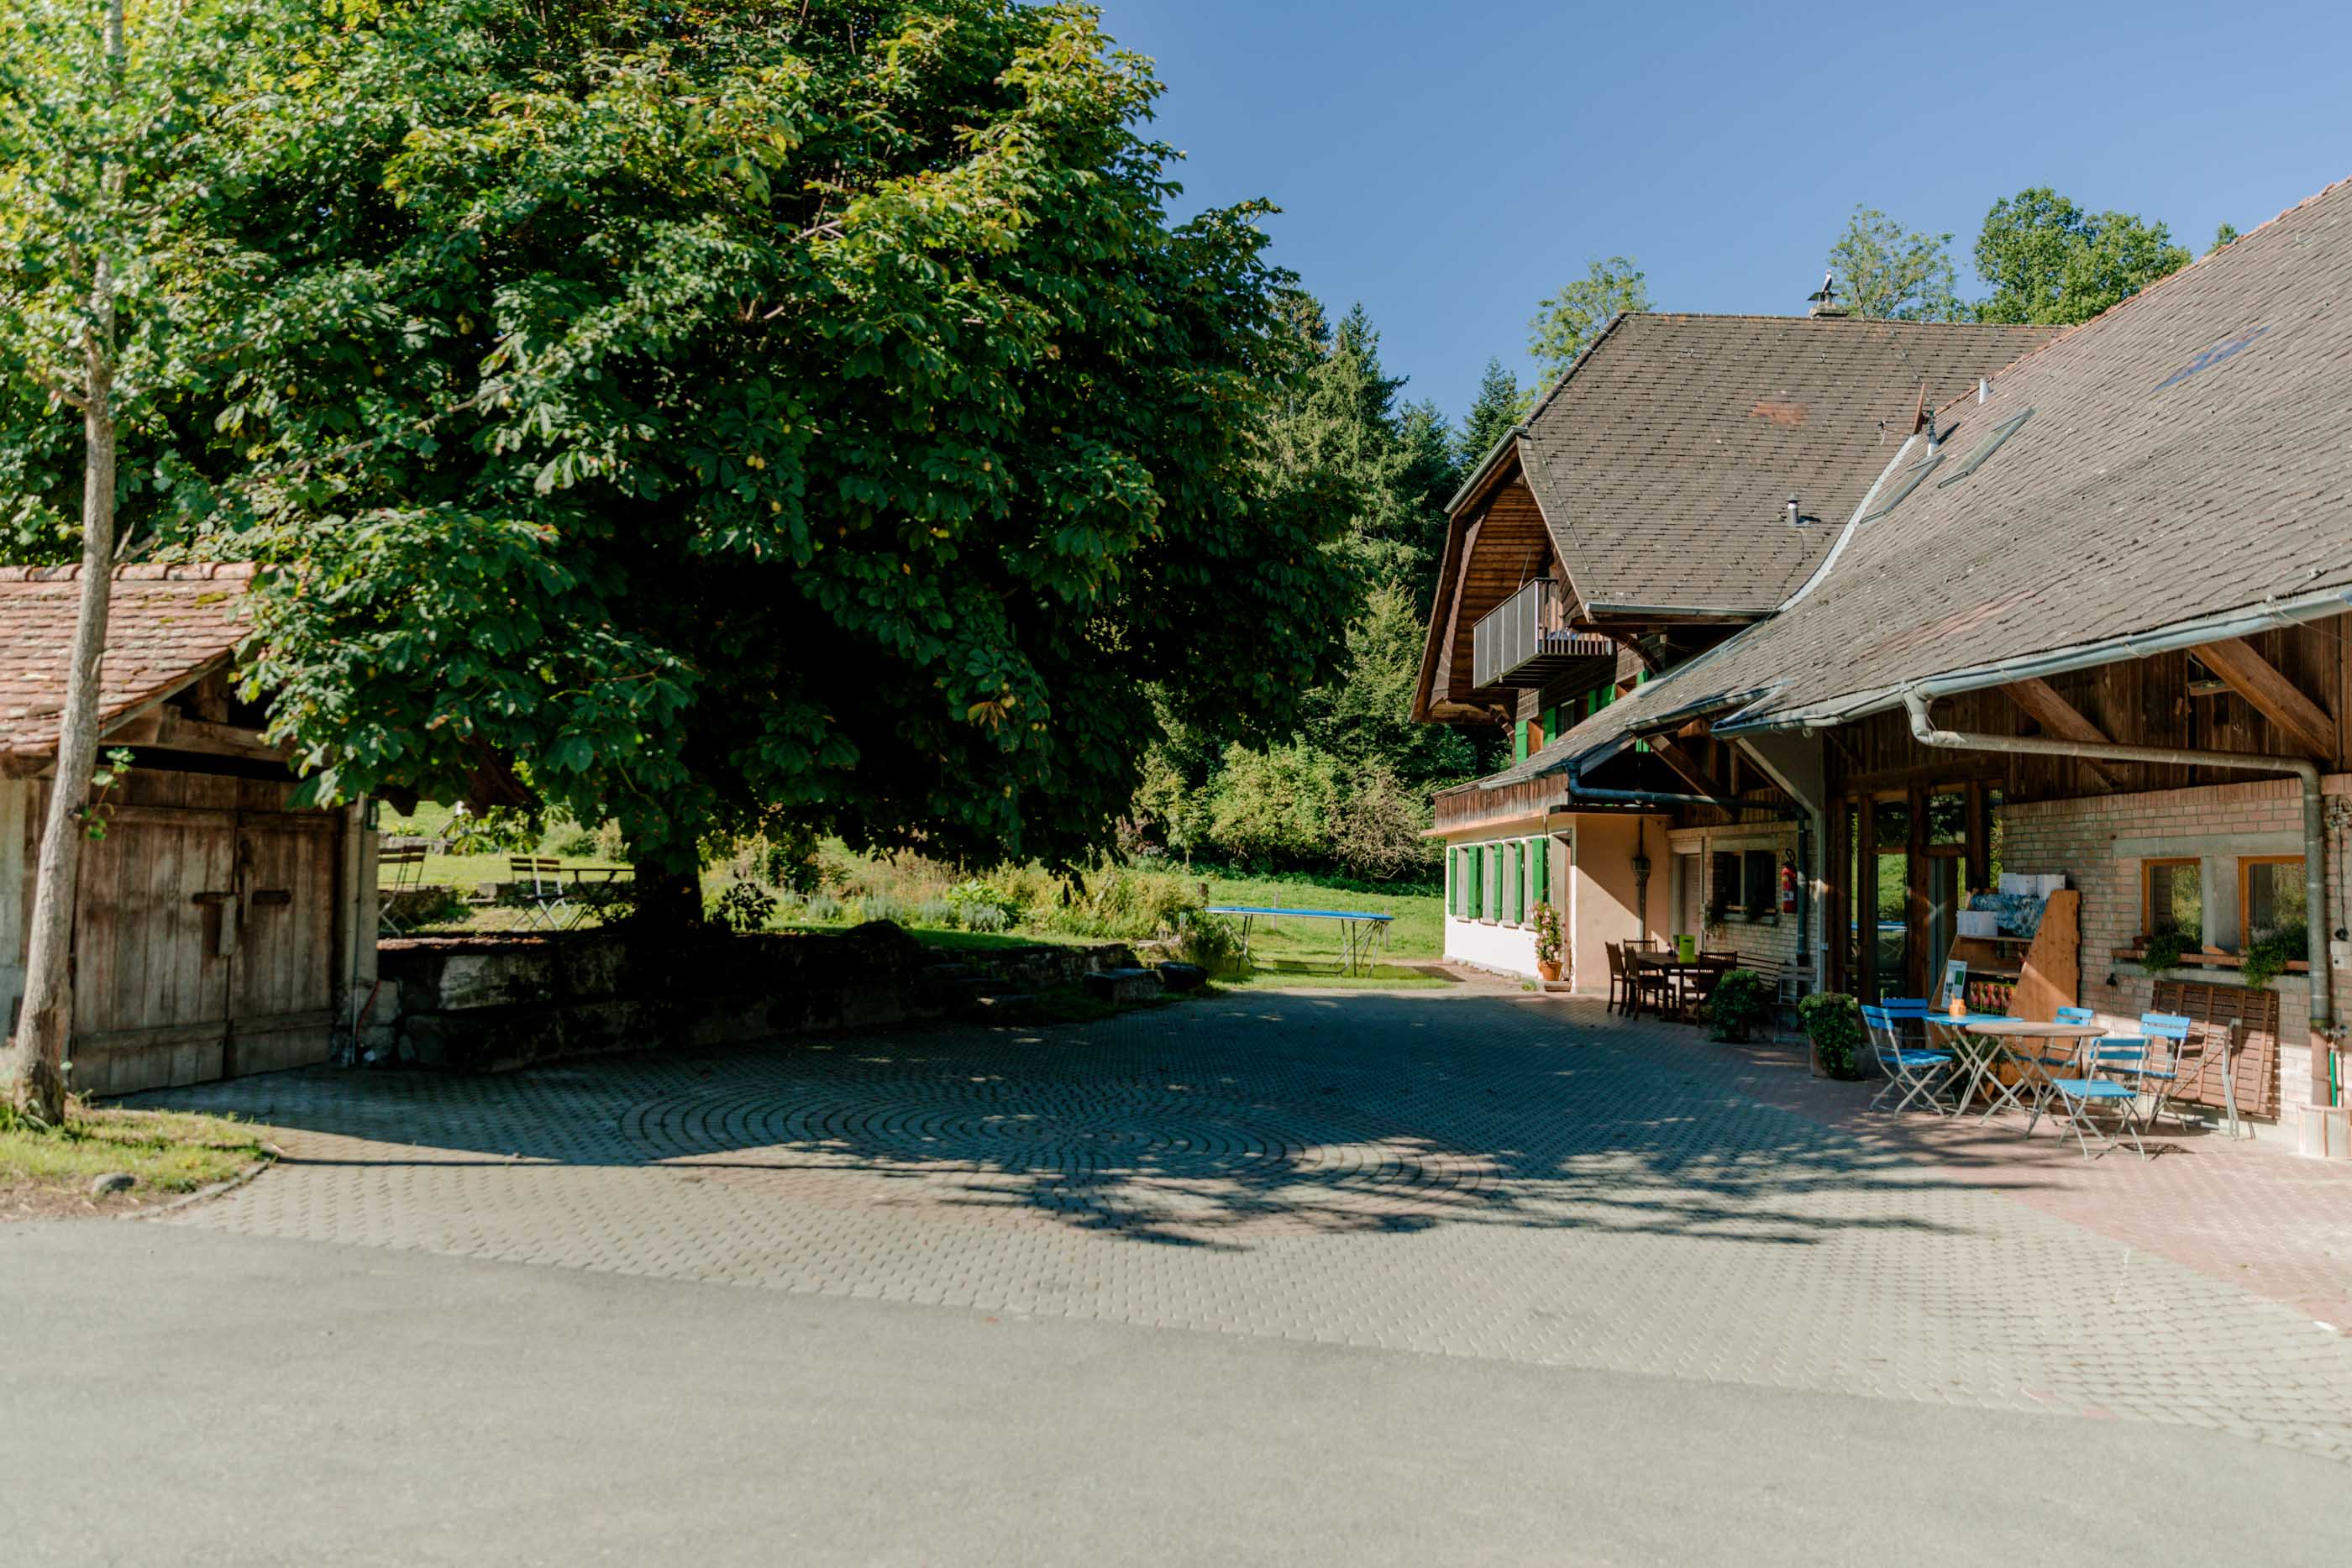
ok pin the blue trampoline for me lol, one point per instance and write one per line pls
(1360, 929)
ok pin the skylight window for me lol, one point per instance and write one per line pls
(1986, 448)
(1909, 480)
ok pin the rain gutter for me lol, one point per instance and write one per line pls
(2314, 827)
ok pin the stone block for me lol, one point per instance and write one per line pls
(1122, 986)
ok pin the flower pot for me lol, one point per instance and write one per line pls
(1549, 969)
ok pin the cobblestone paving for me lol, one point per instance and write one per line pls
(1466, 1176)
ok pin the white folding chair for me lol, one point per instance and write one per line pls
(540, 879)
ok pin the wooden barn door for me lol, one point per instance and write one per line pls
(281, 970)
(204, 935)
(150, 986)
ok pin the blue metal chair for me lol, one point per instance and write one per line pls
(1917, 1072)
(2120, 1054)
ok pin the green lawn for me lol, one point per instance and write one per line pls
(165, 1151)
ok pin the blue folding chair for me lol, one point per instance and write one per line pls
(1916, 1071)
(2078, 1095)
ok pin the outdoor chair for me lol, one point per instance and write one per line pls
(1916, 1072)
(2155, 1080)
(400, 869)
(2079, 1094)
(1620, 984)
(539, 879)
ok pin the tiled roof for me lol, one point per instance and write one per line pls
(167, 625)
(2185, 459)
(1664, 460)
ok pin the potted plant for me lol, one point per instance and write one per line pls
(2268, 955)
(1547, 923)
(1741, 1000)
(2164, 949)
(1833, 1023)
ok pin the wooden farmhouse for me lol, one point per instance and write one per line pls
(216, 931)
(2042, 697)
(1637, 520)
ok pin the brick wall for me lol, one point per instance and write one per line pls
(2100, 842)
(1775, 939)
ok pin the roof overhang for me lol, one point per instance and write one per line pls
(2244, 622)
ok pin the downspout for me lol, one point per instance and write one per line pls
(2314, 831)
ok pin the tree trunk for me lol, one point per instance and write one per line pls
(668, 902)
(34, 1072)
(33, 1067)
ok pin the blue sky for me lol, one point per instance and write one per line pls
(1449, 165)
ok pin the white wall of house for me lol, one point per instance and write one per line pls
(1590, 882)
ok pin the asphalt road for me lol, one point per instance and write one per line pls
(184, 1396)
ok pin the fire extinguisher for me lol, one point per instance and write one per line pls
(1788, 887)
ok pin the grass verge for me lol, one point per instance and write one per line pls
(47, 1172)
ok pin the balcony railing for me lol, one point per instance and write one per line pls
(1524, 641)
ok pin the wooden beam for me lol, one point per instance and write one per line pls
(2061, 719)
(2275, 697)
(1685, 766)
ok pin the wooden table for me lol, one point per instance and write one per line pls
(1673, 968)
(2002, 1030)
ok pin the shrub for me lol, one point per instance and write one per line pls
(936, 914)
(1376, 830)
(1833, 1023)
(566, 836)
(744, 906)
(972, 895)
(789, 859)
(1547, 923)
(820, 909)
(1741, 1000)
(1211, 941)
(985, 917)
(880, 907)
(1275, 806)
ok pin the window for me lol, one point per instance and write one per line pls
(1762, 877)
(2270, 900)
(1992, 443)
(1722, 884)
(2172, 898)
(1904, 483)
(1947, 817)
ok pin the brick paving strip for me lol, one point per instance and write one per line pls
(1486, 1176)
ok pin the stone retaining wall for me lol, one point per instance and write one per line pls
(491, 1003)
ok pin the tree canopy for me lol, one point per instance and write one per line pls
(2050, 262)
(731, 414)
(1891, 274)
(1568, 320)
(1500, 406)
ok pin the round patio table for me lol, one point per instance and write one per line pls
(2029, 1064)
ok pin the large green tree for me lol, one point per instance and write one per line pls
(2050, 262)
(726, 415)
(1887, 272)
(1566, 321)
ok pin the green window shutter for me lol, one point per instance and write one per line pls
(1520, 882)
(1453, 882)
(1551, 723)
(1520, 741)
(1478, 881)
(1641, 677)
(1543, 871)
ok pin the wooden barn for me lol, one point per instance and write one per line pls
(216, 931)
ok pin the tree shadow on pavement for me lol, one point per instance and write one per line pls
(1215, 1124)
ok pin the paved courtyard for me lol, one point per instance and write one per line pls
(1481, 1176)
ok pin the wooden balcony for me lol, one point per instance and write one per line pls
(1526, 641)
